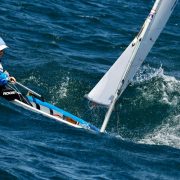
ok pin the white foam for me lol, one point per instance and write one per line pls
(166, 134)
(33, 78)
(146, 73)
(60, 90)
(168, 89)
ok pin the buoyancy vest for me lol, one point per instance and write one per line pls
(3, 76)
(3, 79)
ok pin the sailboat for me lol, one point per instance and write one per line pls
(113, 83)
(117, 78)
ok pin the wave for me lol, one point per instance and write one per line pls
(154, 82)
(168, 133)
(7, 175)
(164, 89)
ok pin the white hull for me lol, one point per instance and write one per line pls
(30, 108)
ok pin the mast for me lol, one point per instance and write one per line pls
(139, 39)
(108, 114)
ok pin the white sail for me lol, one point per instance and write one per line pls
(123, 70)
(104, 91)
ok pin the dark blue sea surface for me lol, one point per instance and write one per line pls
(61, 49)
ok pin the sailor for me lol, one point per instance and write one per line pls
(6, 91)
(4, 75)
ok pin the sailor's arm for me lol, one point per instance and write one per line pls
(10, 78)
(6, 75)
(4, 78)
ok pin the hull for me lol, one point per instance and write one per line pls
(34, 104)
(46, 114)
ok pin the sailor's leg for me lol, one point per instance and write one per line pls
(10, 94)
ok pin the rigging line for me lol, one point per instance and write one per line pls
(21, 97)
(16, 89)
(92, 107)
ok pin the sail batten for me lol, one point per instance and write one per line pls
(123, 70)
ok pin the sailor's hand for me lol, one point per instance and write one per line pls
(12, 79)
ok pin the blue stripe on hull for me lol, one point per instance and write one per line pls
(67, 114)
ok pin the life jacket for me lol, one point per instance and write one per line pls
(3, 79)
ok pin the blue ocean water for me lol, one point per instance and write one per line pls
(61, 49)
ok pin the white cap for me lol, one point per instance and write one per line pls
(2, 44)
